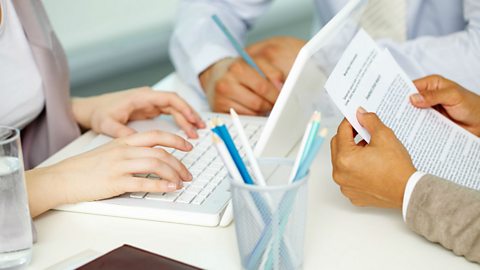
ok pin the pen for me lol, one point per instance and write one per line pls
(226, 158)
(248, 149)
(223, 133)
(237, 45)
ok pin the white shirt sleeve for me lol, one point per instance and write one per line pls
(455, 56)
(197, 42)
(412, 182)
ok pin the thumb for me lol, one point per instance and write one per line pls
(369, 121)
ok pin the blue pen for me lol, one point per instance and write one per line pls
(223, 133)
(237, 45)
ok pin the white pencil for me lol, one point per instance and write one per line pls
(260, 180)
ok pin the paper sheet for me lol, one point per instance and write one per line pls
(369, 77)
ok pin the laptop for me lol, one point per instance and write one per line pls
(205, 200)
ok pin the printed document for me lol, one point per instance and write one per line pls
(369, 77)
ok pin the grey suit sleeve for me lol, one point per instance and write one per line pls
(447, 213)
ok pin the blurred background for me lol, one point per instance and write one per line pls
(118, 44)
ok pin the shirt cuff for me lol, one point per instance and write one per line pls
(412, 182)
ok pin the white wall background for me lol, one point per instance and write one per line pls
(114, 44)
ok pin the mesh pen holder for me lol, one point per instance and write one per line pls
(270, 220)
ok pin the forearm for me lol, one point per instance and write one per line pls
(45, 190)
(446, 213)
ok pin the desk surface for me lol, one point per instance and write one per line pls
(338, 235)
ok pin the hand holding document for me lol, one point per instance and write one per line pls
(369, 77)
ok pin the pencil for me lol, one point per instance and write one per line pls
(236, 45)
(248, 149)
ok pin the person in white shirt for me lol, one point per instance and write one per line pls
(442, 37)
(34, 97)
(381, 173)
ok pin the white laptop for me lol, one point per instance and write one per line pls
(206, 199)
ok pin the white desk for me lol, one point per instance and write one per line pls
(338, 235)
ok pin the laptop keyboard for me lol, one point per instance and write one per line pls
(204, 164)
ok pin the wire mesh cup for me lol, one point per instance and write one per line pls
(270, 220)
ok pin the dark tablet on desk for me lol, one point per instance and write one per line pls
(128, 257)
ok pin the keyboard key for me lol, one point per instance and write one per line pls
(185, 197)
(210, 187)
(137, 195)
(209, 173)
(205, 193)
(198, 200)
(179, 154)
(201, 183)
(194, 189)
(217, 180)
(163, 196)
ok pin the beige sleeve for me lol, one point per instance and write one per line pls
(446, 213)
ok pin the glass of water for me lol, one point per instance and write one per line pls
(15, 221)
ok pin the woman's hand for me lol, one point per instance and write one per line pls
(109, 113)
(109, 171)
(450, 99)
(372, 174)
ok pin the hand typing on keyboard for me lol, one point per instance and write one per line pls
(110, 170)
(205, 166)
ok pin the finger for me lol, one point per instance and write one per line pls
(157, 138)
(231, 89)
(150, 165)
(345, 135)
(114, 128)
(444, 96)
(333, 148)
(162, 155)
(137, 184)
(252, 80)
(370, 122)
(274, 74)
(186, 126)
(224, 104)
(170, 99)
(430, 83)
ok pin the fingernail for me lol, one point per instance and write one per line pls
(361, 110)
(417, 98)
(193, 131)
(179, 184)
(172, 186)
(188, 176)
(188, 145)
(278, 85)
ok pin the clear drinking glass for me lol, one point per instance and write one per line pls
(270, 220)
(15, 221)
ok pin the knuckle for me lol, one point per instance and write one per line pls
(261, 87)
(270, 52)
(237, 67)
(222, 87)
(343, 162)
(257, 105)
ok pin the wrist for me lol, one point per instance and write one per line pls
(45, 190)
(83, 110)
(402, 181)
